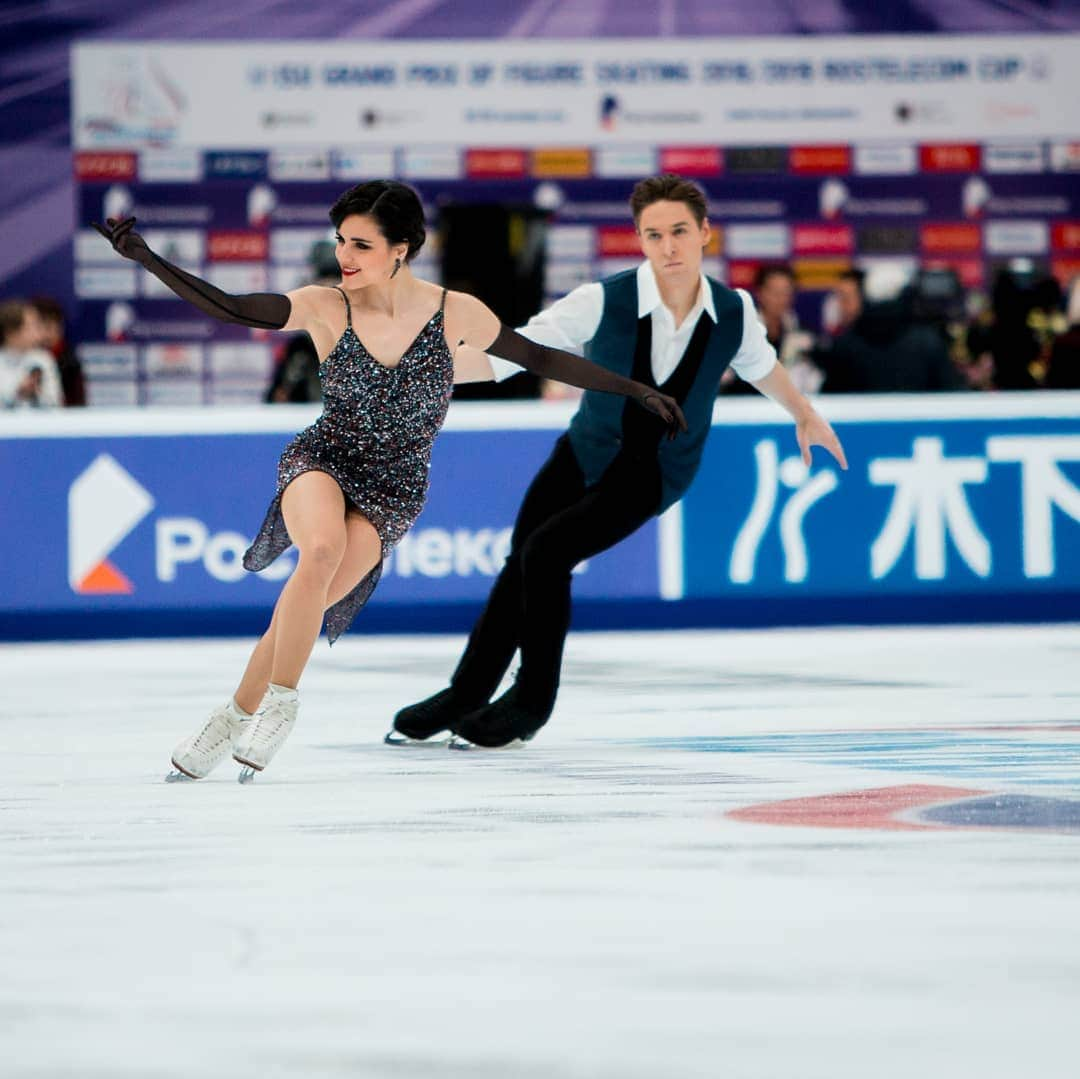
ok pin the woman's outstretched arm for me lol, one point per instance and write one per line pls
(264, 311)
(475, 324)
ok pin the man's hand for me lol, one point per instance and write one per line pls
(813, 430)
(667, 408)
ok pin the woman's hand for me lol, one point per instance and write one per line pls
(124, 239)
(667, 408)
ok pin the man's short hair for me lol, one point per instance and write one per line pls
(48, 309)
(668, 188)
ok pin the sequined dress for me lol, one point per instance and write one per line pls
(374, 437)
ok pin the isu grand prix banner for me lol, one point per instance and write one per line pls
(729, 91)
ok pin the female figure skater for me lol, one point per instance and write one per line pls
(350, 485)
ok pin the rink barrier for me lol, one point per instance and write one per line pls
(956, 508)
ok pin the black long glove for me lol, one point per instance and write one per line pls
(562, 366)
(263, 310)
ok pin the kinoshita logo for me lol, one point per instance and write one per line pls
(105, 503)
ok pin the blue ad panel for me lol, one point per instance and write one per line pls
(129, 524)
(928, 508)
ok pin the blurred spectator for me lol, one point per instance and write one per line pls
(977, 365)
(845, 302)
(774, 296)
(28, 374)
(886, 350)
(54, 340)
(1015, 346)
(296, 377)
(1063, 370)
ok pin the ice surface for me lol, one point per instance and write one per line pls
(582, 907)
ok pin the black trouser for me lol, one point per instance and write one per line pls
(560, 523)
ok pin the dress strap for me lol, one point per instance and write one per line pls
(442, 302)
(348, 308)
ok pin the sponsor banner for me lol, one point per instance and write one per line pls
(1065, 236)
(360, 163)
(105, 282)
(886, 239)
(1014, 157)
(741, 274)
(431, 163)
(236, 165)
(108, 361)
(822, 239)
(618, 241)
(758, 241)
(818, 160)
(571, 242)
(239, 361)
(145, 523)
(946, 508)
(955, 509)
(563, 277)
(949, 157)
(1065, 156)
(901, 159)
(756, 159)
(556, 163)
(818, 274)
(112, 393)
(105, 167)
(179, 393)
(174, 361)
(972, 272)
(692, 160)
(294, 245)
(1065, 270)
(285, 278)
(1017, 238)
(504, 164)
(234, 245)
(238, 277)
(290, 164)
(178, 164)
(631, 161)
(953, 237)
(812, 91)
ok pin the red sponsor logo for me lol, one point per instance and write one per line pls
(823, 239)
(742, 274)
(617, 241)
(1065, 269)
(105, 166)
(486, 163)
(237, 246)
(1066, 236)
(692, 160)
(952, 237)
(950, 157)
(972, 272)
(819, 160)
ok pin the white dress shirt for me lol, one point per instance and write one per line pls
(15, 365)
(570, 323)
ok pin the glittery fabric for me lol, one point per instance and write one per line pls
(374, 437)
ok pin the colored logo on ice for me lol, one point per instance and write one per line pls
(104, 505)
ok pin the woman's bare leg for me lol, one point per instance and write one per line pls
(363, 550)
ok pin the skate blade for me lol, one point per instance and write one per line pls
(177, 776)
(459, 743)
(247, 774)
(396, 738)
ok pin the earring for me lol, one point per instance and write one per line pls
(397, 266)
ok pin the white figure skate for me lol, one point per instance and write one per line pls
(266, 733)
(196, 757)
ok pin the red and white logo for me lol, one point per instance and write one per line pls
(105, 503)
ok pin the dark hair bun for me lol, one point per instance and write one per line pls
(395, 206)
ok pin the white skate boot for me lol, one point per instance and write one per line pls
(196, 757)
(266, 734)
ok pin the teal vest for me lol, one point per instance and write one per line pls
(597, 427)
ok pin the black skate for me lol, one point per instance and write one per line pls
(506, 722)
(427, 718)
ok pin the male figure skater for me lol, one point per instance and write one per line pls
(667, 325)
